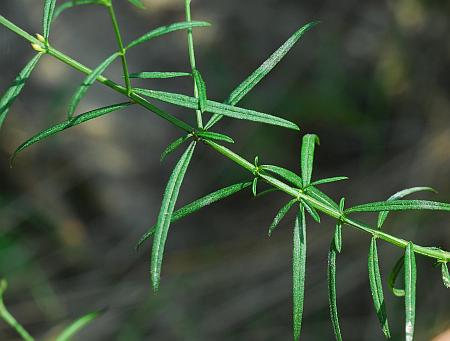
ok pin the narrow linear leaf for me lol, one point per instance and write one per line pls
(215, 107)
(280, 215)
(201, 87)
(267, 191)
(342, 204)
(69, 124)
(284, 174)
(328, 180)
(399, 195)
(197, 205)
(165, 30)
(322, 197)
(165, 215)
(137, 3)
(16, 87)
(376, 288)
(393, 277)
(159, 75)
(311, 210)
(307, 156)
(75, 327)
(400, 205)
(410, 291)
(332, 297)
(248, 84)
(90, 79)
(280, 185)
(69, 4)
(338, 237)
(49, 8)
(298, 271)
(209, 135)
(254, 186)
(445, 275)
(173, 146)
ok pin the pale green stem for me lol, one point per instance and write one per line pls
(440, 255)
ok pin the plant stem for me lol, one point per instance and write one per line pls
(122, 50)
(440, 255)
(8, 318)
(191, 52)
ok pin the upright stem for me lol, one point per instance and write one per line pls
(122, 50)
(191, 51)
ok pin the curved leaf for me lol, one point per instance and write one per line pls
(165, 214)
(376, 287)
(328, 180)
(75, 327)
(280, 215)
(400, 205)
(72, 3)
(285, 174)
(393, 277)
(159, 75)
(338, 237)
(215, 107)
(166, 29)
(254, 186)
(311, 210)
(16, 87)
(173, 146)
(319, 195)
(332, 297)
(307, 156)
(201, 88)
(49, 8)
(410, 291)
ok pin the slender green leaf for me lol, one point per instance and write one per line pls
(280, 185)
(49, 8)
(173, 146)
(285, 174)
(342, 204)
(165, 30)
(72, 3)
(322, 197)
(298, 271)
(90, 79)
(137, 3)
(399, 195)
(197, 205)
(209, 135)
(338, 237)
(311, 210)
(248, 84)
(215, 107)
(165, 215)
(445, 275)
(254, 186)
(201, 87)
(410, 291)
(332, 297)
(75, 327)
(16, 87)
(307, 156)
(159, 75)
(267, 191)
(280, 215)
(400, 205)
(393, 278)
(328, 180)
(376, 287)
(69, 124)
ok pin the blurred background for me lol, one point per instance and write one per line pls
(371, 80)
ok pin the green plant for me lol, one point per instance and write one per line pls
(304, 194)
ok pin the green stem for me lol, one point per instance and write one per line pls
(122, 50)
(8, 318)
(191, 52)
(440, 255)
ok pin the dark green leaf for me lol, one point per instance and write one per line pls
(298, 271)
(410, 291)
(254, 186)
(400, 205)
(165, 214)
(16, 87)
(209, 135)
(90, 79)
(215, 107)
(284, 174)
(338, 237)
(75, 327)
(280, 215)
(199, 204)
(393, 277)
(72, 3)
(328, 180)
(166, 29)
(49, 8)
(68, 124)
(445, 275)
(137, 3)
(307, 157)
(201, 88)
(399, 195)
(376, 287)
(159, 75)
(332, 297)
(247, 85)
(173, 146)
(322, 197)
(311, 210)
